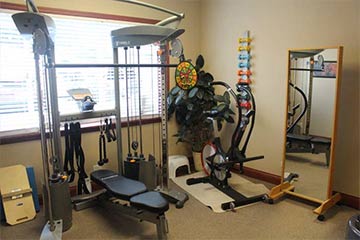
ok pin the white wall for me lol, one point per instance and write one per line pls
(321, 105)
(323, 101)
(277, 26)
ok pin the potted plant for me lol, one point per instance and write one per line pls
(196, 108)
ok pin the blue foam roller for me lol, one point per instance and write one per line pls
(32, 182)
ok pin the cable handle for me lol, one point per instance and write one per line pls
(100, 162)
(105, 159)
(107, 131)
(113, 134)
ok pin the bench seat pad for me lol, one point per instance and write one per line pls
(119, 186)
(321, 140)
(296, 137)
(150, 201)
(130, 190)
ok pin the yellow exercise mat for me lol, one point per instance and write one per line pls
(16, 195)
(212, 197)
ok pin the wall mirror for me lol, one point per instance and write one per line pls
(314, 77)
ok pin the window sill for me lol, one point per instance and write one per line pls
(34, 134)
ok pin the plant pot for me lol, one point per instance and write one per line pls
(197, 161)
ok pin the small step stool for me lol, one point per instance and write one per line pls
(176, 161)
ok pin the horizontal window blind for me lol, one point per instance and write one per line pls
(77, 40)
(17, 71)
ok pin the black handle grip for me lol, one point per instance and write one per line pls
(192, 181)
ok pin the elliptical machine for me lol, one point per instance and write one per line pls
(217, 162)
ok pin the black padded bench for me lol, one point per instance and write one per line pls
(140, 203)
(296, 137)
(130, 190)
(302, 143)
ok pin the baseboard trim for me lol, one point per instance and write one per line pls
(349, 200)
(260, 175)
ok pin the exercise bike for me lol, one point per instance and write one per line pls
(217, 162)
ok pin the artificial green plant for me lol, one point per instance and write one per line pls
(195, 109)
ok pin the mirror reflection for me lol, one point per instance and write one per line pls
(311, 110)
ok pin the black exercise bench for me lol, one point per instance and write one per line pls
(140, 203)
(296, 143)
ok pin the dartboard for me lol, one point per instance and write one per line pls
(185, 75)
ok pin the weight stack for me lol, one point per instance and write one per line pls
(147, 174)
(131, 169)
(61, 203)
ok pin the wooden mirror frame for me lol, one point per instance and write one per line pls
(287, 188)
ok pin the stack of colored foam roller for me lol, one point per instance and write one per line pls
(244, 71)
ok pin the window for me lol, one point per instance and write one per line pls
(77, 40)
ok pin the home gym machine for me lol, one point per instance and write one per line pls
(56, 193)
(218, 163)
(141, 203)
(135, 37)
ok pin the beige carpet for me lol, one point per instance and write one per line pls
(212, 197)
(284, 220)
(313, 173)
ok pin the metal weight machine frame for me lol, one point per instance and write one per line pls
(40, 27)
(136, 36)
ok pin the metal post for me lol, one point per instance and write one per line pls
(118, 111)
(55, 115)
(164, 128)
(162, 227)
(127, 101)
(139, 85)
(310, 91)
(44, 152)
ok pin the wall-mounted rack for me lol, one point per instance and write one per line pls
(87, 115)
